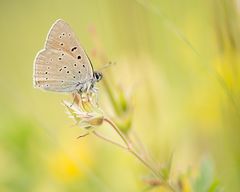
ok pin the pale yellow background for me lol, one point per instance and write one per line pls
(178, 59)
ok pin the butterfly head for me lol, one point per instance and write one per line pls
(97, 76)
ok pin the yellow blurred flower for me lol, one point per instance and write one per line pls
(67, 167)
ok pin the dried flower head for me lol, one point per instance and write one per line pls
(84, 111)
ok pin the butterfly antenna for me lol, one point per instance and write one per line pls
(106, 66)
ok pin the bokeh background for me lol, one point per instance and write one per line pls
(176, 61)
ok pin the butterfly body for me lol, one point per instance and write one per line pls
(89, 85)
(63, 65)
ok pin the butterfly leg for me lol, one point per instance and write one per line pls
(84, 102)
(94, 99)
(74, 98)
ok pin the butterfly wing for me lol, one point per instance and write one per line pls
(58, 71)
(61, 37)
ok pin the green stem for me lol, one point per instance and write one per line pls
(112, 98)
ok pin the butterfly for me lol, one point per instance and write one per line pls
(63, 65)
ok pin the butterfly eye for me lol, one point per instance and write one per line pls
(98, 76)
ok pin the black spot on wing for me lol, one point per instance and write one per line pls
(73, 49)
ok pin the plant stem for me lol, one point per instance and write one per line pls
(130, 149)
(118, 132)
(108, 140)
(112, 98)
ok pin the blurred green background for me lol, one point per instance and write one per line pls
(178, 59)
